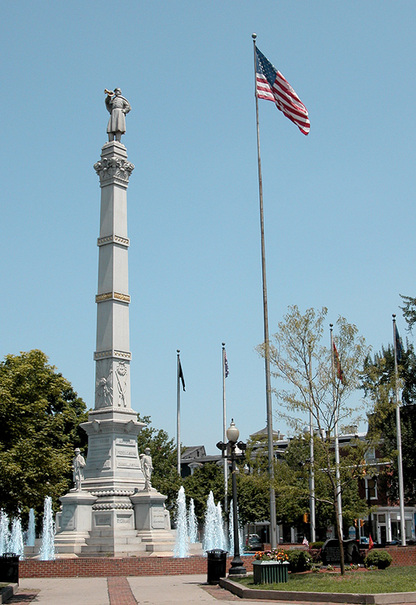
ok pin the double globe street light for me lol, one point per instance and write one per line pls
(229, 452)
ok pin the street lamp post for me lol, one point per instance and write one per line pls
(228, 450)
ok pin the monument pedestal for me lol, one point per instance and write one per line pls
(153, 521)
(74, 522)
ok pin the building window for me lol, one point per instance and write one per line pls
(370, 454)
(371, 489)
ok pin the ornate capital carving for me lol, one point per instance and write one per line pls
(113, 169)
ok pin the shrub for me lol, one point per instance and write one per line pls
(316, 545)
(299, 560)
(378, 558)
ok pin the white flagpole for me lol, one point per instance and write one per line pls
(273, 527)
(399, 439)
(178, 414)
(224, 425)
(335, 403)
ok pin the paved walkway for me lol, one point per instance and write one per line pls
(154, 590)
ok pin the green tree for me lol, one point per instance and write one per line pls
(253, 497)
(165, 476)
(298, 357)
(409, 310)
(205, 479)
(297, 457)
(379, 387)
(40, 414)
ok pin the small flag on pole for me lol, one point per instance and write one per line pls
(337, 364)
(180, 374)
(398, 344)
(226, 370)
(272, 86)
(370, 543)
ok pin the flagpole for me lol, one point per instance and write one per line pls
(273, 528)
(224, 431)
(399, 437)
(311, 456)
(178, 414)
(335, 404)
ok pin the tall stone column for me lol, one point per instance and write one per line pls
(112, 356)
(113, 471)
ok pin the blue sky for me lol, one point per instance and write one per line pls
(339, 204)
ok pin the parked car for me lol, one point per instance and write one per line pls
(253, 542)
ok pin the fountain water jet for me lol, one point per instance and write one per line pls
(222, 541)
(16, 538)
(181, 548)
(4, 533)
(47, 549)
(31, 532)
(192, 523)
(210, 541)
(214, 536)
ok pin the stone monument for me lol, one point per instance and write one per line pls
(113, 508)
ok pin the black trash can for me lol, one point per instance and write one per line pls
(217, 563)
(9, 568)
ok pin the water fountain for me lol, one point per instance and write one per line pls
(192, 523)
(210, 524)
(16, 538)
(31, 532)
(222, 541)
(4, 533)
(181, 548)
(214, 536)
(47, 549)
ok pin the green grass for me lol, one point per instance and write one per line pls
(393, 579)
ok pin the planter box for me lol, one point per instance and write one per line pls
(270, 572)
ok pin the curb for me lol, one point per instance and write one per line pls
(393, 598)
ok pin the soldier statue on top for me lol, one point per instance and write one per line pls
(118, 106)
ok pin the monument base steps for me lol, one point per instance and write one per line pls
(158, 540)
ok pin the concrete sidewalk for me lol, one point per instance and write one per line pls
(155, 590)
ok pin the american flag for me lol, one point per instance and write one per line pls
(272, 86)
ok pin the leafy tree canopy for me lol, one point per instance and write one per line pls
(297, 457)
(319, 383)
(409, 310)
(379, 386)
(40, 414)
(253, 497)
(209, 477)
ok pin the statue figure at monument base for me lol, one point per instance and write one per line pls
(78, 464)
(147, 468)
